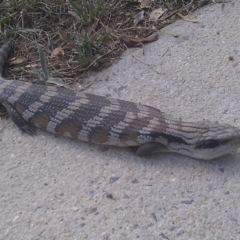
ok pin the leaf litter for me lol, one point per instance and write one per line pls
(82, 35)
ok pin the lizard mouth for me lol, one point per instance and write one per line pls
(217, 148)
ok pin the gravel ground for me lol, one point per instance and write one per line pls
(56, 188)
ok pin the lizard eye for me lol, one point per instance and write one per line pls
(208, 144)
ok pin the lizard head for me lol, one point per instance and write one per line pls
(211, 140)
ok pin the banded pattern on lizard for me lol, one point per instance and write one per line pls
(97, 119)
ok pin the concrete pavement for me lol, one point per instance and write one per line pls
(56, 188)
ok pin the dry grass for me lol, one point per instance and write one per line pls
(84, 34)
